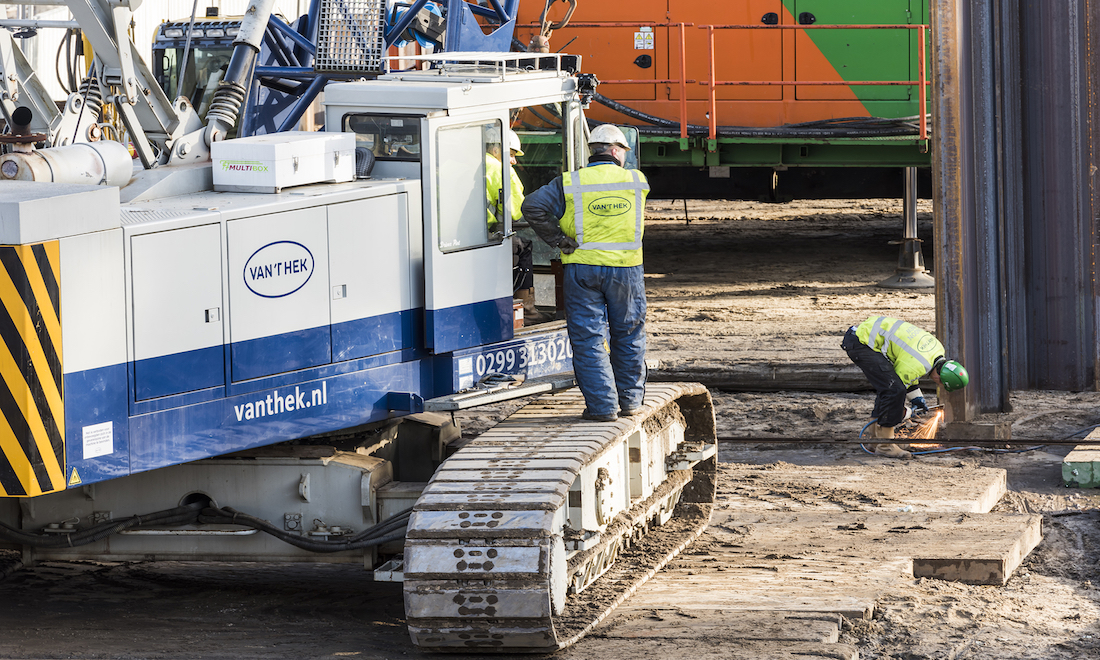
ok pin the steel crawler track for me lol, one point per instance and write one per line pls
(518, 523)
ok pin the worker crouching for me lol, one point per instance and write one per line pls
(895, 355)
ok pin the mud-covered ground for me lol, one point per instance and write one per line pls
(740, 284)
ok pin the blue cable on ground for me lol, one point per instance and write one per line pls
(866, 426)
(944, 450)
(992, 450)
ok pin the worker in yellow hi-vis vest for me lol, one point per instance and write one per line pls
(523, 279)
(595, 216)
(895, 355)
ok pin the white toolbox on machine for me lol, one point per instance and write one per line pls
(269, 163)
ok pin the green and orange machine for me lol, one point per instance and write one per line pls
(771, 84)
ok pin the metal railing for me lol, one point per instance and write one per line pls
(712, 84)
(921, 84)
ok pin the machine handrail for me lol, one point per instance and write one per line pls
(921, 83)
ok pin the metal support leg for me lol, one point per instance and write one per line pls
(910, 273)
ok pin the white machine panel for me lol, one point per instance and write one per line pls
(31, 212)
(279, 292)
(93, 304)
(178, 310)
(468, 283)
(371, 277)
(369, 253)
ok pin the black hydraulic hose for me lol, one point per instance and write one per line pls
(178, 516)
(552, 122)
(847, 127)
(383, 532)
(63, 45)
(371, 537)
(639, 115)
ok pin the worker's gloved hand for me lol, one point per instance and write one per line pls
(567, 245)
(915, 400)
(920, 407)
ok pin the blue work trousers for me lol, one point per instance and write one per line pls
(607, 303)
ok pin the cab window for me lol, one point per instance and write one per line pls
(388, 137)
(463, 180)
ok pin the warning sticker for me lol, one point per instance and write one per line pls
(99, 440)
(643, 39)
(74, 478)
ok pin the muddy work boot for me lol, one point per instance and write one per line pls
(594, 417)
(531, 314)
(890, 450)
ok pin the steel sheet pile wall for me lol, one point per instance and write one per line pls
(1058, 309)
(1014, 199)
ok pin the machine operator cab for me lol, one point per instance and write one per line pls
(436, 125)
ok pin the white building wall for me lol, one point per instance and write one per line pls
(41, 50)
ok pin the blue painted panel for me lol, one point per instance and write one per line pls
(179, 373)
(377, 334)
(532, 355)
(96, 398)
(280, 380)
(281, 353)
(266, 417)
(454, 328)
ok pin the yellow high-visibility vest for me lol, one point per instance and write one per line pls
(911, 350)
(494, 185)
(604, 209)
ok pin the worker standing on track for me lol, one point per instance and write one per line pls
(894, 355)
(523, 278)
(595, 216)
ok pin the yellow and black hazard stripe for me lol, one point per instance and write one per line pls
(32, 428)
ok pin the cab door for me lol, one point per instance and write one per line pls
(467, 267)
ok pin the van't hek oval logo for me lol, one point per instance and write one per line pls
(926, 343)
(610, 206)
(278, 269)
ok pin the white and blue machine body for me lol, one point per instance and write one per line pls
(199, 324)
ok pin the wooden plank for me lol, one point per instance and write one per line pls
(767, 377)
(1081, 467)
(877, 487)
(735, 535)
(845, 585)
(833, 562)
(727, 625)
(994, 569)
(707, 649)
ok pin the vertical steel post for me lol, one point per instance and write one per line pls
(952, 197)
(910, 273)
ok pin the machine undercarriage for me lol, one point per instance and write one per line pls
(503, 540)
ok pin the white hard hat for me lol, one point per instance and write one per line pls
(608, 134)
(514, 143)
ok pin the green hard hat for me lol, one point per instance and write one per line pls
(953, 376)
